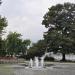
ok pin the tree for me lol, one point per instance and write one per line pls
(15, 45)
(37, 49)
(12, 42)
(24, 47)
(2, 48)
(3, 24)
(60, 21)
(0, 2)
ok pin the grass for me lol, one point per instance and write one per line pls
(5, 70)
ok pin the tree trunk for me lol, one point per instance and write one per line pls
(63, 57)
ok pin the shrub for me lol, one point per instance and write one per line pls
(49, 59)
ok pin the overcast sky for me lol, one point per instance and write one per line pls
(25, 16)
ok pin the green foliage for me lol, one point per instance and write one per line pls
(3, 24)
(60, 21)
(24, 47)
(15, 45)
(49, 59)
(2, 47)
(37, 49)
(12, 42)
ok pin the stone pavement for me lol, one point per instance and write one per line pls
(58, 69)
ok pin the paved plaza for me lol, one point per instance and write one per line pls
(56, 69)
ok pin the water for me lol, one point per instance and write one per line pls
(42, 62)
(31, 63)
(36, 63)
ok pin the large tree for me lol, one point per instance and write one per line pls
(3, 24)
(12, 42)
(60, 22)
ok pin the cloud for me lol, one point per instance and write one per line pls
(25, 16)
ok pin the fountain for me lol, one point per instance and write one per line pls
(37, 66)
(36, 63)
(31, 63)
(42, 62)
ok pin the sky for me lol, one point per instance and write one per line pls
(25, 16)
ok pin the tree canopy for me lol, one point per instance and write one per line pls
(37, 49)
(16, 45)
(3, 24)
(60, 22)
(12, 42)
(0, 1)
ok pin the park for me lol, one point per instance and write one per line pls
(54, 54)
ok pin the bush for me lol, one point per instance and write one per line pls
(49, 59)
